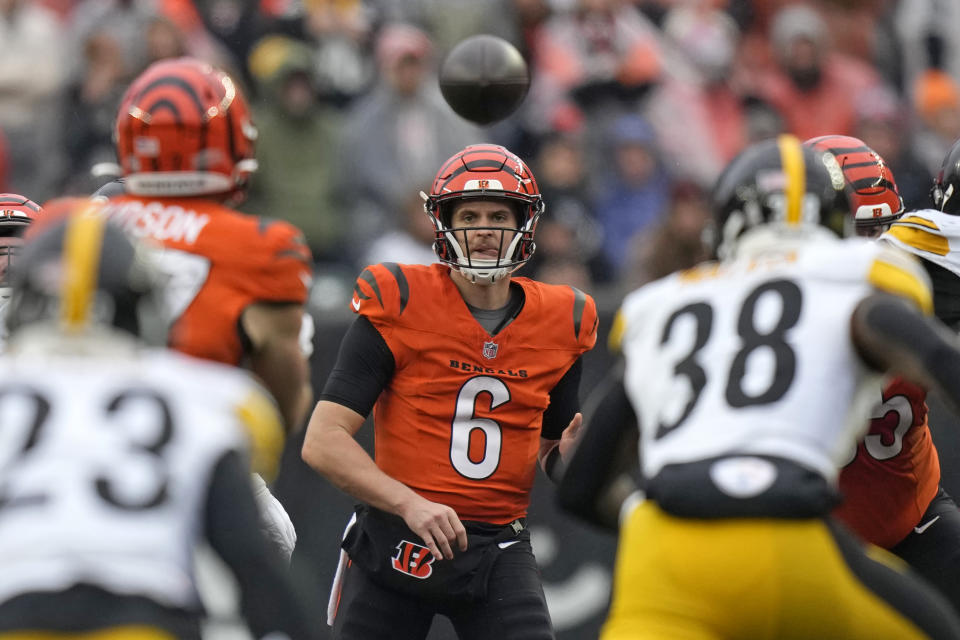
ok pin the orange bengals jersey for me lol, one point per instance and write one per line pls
(218, 262)
(459, 421)
(896, 471)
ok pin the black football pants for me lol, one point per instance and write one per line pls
(514, 609)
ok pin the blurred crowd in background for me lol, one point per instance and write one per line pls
(634, 108)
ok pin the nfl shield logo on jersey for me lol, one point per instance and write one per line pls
(489, 350)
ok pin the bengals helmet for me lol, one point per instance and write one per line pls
(488, 172)
(184, 129)
(947, 182)
(781, 187)
(16, 214)
(82, 274)
(872, 191)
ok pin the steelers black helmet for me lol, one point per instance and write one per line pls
(947, 183)
(81, 274)
(781, 185)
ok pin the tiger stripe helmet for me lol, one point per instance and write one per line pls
(184, 129)
(16, 214)
(490, 172)
(775, 189)
(872, 191)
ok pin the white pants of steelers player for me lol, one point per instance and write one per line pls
(712, 579)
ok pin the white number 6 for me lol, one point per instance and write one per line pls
(465, 421)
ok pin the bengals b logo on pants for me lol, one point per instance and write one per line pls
(413, 560)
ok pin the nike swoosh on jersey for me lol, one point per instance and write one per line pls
(356, 304)
(925, 525)
(504, 545)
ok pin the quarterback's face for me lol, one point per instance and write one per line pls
(488, 228)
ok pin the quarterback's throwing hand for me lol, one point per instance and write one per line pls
(570, 436)
(438, 526)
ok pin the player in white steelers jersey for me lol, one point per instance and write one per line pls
(750, 379)
(117, 459)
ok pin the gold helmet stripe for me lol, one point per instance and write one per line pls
(791, 159)
(81, 261)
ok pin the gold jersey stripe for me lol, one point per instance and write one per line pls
(791, 157)
(897, 280)
(917, 220)
(126, 632)
(920, 239)
(262, 421)
(615, 339)
(81, 260)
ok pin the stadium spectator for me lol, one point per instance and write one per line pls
(597, 59)
(90, 107)
(936, 100)
(570, 235)
(31, 78)
(633, 194)
(699, 115)
(676, 242)
(296, 147)
(813, 86)
(882, 123)
(399, 132)
(411, 242)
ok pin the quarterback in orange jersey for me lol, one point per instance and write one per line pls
(237, 284)
(891, 488)
(472, 377)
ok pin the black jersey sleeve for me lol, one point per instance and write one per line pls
(564, 402)
(606, 452)
(364, 366)
(269, 600)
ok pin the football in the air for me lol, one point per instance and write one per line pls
(484, 79)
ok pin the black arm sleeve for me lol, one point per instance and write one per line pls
(606, 450)
(364, 366)
(891, 335)
(269, 601)
(564, 402)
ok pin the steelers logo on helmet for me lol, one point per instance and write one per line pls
(778, 189)
(489, 172)
(184, 129)
(872, 192)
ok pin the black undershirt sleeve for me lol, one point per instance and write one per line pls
(564, 402)
(269, 601)
(605, 450)
(364, 366)
(946, 294)
(892, 335)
